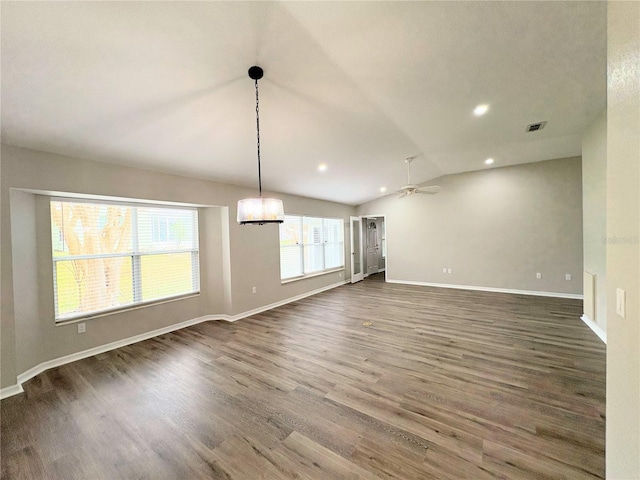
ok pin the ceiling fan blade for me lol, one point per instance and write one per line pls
(430, 190)
(409, 188)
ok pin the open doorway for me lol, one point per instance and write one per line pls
(374, 246)
(368, 247)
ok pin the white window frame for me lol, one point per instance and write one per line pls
(302, 245)
(136, 257)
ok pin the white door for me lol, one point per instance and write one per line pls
(356, 250)
(373, 247)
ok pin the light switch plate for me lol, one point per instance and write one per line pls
(621, 300)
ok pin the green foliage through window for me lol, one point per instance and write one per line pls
(110, 255)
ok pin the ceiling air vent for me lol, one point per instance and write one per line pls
(536, 126)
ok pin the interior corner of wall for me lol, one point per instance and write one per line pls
(8, 370)
(226, 260)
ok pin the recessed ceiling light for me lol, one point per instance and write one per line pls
(481, 110)
(322, 167)
(383, 189)
(488, 161)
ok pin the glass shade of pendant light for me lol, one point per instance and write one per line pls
(259, 210)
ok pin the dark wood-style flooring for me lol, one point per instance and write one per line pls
(444, 384)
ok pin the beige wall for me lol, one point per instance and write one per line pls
(233, 258)
(494, 228)
(623, 232)
(594, 212)
(25, 279)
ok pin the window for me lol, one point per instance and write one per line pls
(310, 245)
(112, 255)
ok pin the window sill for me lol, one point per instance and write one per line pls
(311, 275)
(128, 308)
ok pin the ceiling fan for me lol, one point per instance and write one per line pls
(410, 189)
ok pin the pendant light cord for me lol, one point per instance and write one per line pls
(258, 139)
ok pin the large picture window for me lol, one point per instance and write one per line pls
(310, 245)
(108, 256)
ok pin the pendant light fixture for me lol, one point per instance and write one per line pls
(258, 211)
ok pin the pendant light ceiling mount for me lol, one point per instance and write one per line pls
(256, 73)
(259, 211)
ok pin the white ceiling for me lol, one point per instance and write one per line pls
(356, 85)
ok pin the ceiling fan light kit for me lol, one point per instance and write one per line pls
(259, 210)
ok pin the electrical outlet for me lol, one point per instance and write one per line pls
(567, 277)
(254, 289)
(621, 300)
(448, 270)
(82, 327)
(538, 275)
(444, 270)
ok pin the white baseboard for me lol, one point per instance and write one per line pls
(255, 311)
(489, 289)
(10, 391)
(365, 275)
(595, 327)
(56, 362)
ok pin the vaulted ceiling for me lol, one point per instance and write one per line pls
(358, 86)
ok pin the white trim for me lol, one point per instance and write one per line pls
(135, 253)
(490, 289)
(355, 277)
(74, 197)
(311, 275)
(386, 258)
(380, 270)
(255, 311)
(595, 327)
(10, 391)
(133, 306)
(99, 199)
(56, 362)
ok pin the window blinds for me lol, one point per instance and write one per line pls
(310, 245)
(110, 255)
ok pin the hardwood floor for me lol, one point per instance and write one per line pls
(443, 384)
